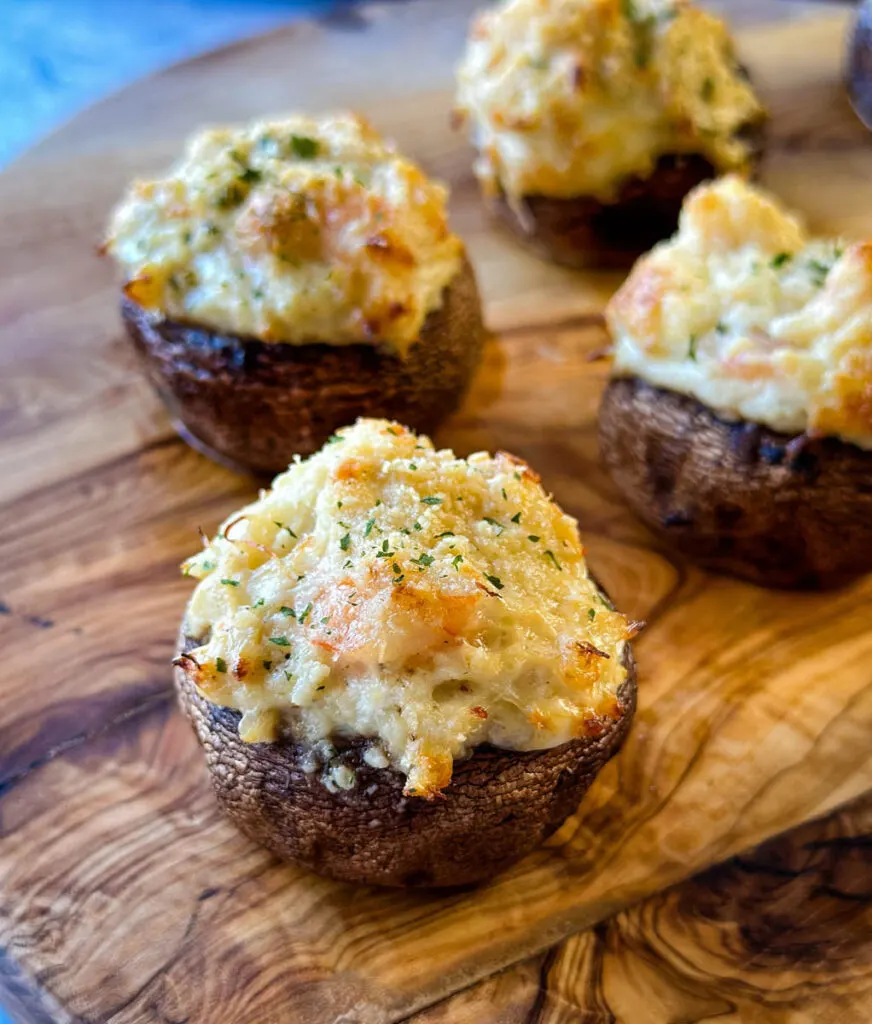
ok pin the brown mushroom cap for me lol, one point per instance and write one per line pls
(253, 405)
(737, 497)
(582, 231)
(499, 805)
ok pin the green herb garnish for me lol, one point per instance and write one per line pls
(691, 348)
(301, 618)
(345, 542)
(550, 554)
(456, 561)
(516, 518)
(230, 583)
(367, 530)
(532, 537)
(495, 580)
(430, 500)
(424, 560)
(304, 147)
(494, 523)
(288, 611)
(280, 641)
(780, 259)
(221, 664)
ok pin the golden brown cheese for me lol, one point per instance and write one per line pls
(301, 230)
(573, 97)
(387, 590)
(743, 311)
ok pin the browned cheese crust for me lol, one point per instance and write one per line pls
(253, 405)
(582, 231)
(781, 511)
(499, 805)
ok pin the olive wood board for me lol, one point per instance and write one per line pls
(779, 935)
(124, 896)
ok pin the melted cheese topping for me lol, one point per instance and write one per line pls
(387, 590)
(743, 311)
(573, 97)
(290, 231)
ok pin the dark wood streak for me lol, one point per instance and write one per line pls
(52, 740)
(781, 934)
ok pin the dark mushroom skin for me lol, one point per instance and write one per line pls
(737, 497)
(582, 231)
(499, 805)
(253, 405)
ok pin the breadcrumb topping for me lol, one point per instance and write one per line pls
(573, 97)
(387, 590)
(300, 230)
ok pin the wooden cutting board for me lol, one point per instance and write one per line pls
(124, 896)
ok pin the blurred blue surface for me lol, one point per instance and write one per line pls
(56, 56)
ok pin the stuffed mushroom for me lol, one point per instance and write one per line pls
(398, 665)
(287, 276)
(738, 423)
(592, 119)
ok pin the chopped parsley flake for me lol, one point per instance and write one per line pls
(367, 530)
(335, 439)
(250, 175)
(691, 348)
(591, 613)
(282, 526)
(301, 618)
(456, 561)
(384, 553)
(288, 611)
(445, 533)
(230, 583)
(304, 147)
(516, 518)
(412, 466)
(280, 641)
(325, 620)
(495, 580)
(221, 664)
(505, 496)
(345, 543)
(707, 91)
(258, 603)
(208, 566)
(780, 259)
(820, 270)
(533, 538)
(431, 500)
(417, 526)
(423, 560)
(494, 523)
(550, 554)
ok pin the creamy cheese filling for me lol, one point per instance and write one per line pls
(573, 97)
(301, 230)
(387, 590)
(742, 310)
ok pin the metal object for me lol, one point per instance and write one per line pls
(858, 66)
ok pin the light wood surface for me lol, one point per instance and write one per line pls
(124, 896)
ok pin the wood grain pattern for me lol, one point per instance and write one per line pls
(780, 935)
(124, 896)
